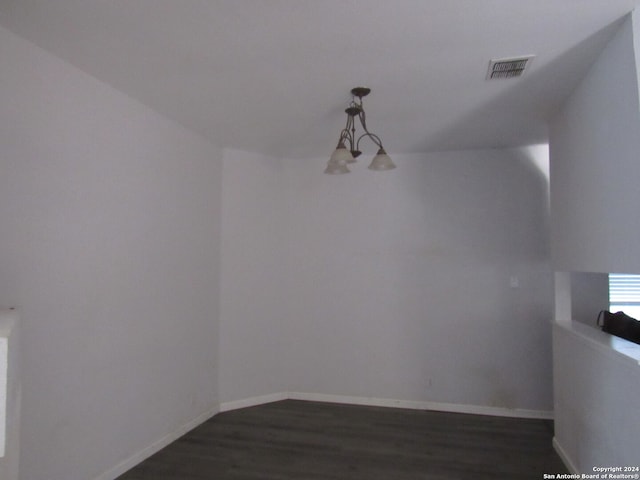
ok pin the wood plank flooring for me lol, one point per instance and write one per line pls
(320, 441)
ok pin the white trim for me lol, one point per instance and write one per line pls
(562, 308)
(145, 453)
(619, 349)
(423, 405)
(253, 401)
(4, 391)
(350, 400)
(562, 453)
(388, 402)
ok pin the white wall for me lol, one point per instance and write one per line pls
(253, 289)
(595, 140)
(9, 394)
(595, 226)
(399, 282)
(390, 285)
(596, 399)
(110, 225)
(589, 295)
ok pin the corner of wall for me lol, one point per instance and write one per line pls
(635, 28)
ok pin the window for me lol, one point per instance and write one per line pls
(624, 294)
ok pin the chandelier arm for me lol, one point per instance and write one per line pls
(351, 131)
(346, 134)
(345, 137)
(374, 138)
(363, 119)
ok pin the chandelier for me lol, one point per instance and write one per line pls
(342, 155)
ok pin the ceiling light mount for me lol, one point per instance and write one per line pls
(342, 155)
(360, 92)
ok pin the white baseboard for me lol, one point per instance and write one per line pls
(145, 453)
(253, 401)
(423, 405)
(564, 457)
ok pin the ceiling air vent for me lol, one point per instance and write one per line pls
(508, 67)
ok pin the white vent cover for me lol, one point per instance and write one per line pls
(508, 67)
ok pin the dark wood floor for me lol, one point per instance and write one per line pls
(312, 441)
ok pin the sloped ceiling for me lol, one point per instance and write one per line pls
(273, 76)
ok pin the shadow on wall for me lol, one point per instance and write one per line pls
(556, 79)
(481, 205)
(478, 277)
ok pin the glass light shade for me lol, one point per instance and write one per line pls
(382, 162)
(335, 169)
(341, 154)
(337, 164)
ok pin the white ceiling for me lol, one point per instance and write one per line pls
(274, 76)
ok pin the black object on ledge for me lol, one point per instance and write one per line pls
(620, 324)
